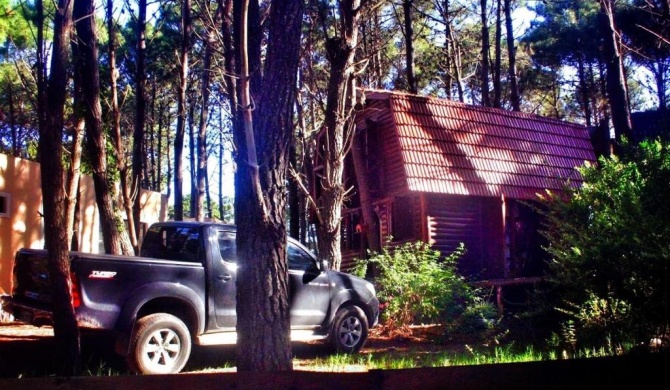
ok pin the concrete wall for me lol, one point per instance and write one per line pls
(21, 226)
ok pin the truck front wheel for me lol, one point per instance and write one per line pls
(160, 344)
(350, 330)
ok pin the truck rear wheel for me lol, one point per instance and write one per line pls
(350, 330)
(160, 344)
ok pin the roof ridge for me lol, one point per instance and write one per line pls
(370, 93)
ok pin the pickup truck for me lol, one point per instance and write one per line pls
(180, 291)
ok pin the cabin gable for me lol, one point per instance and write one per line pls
(449, 173)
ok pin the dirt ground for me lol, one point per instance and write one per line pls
(26, 350)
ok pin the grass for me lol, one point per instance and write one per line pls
(383, 361)
(343, 363)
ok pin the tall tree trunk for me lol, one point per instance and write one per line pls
(151, 145)
(12, 120)
(338, 130)
(616, 81)
(113, 232)
(514, 97)
(202, 131)
(484, 71)
(51, 110)
(220, 164)
(448, 78)
(497, 87)
(73, 179)
(584, 89)
(73, 173)
(140, 109)
(370, 220)
(192, 156)
(159, 146)
(263, 339)
(118, 134)
(181, 111)
(409, 46)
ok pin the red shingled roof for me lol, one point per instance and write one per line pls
(453, 148)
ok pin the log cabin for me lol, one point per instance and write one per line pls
(447, 173)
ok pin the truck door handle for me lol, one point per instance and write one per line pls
(225, 277)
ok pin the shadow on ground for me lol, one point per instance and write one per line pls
(29, 352)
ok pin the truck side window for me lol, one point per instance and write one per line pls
(227, 246)
(299, 259)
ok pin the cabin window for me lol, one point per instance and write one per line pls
(4, 204)
(403, 221)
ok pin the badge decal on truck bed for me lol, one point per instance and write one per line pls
(102, 275)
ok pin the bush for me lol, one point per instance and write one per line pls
(416, 286)
(610, 248)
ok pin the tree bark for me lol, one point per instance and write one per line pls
(140, 110)
(616, 81)
(113, 231)
(118, 134)
(52, 104)
(73, 179)
(409, 47)
(263, 339)
(337, 130)
(484, 71)
(181, 111)
(370, 220)
(497, 86)
(515, 99)
(202, 131)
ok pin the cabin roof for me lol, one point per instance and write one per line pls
(454, 148)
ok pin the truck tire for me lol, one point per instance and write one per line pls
(160, 344)
(350, 330)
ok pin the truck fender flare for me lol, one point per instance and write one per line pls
(142, 295)
(344, 297)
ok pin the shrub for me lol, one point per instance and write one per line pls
(416, 286)
(610, 246)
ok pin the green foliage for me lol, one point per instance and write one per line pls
(415, 285)
(610, 248)
(228, 216)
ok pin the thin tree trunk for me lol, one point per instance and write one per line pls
(159, 147)
(181, 111)
(76, 218)
(221, 162)
(484, 71)
(12, 120)
(338, 128)
(202, 131)
(457, 61)
(74, 168)
(515, 99)
(118, 134)
(73, 179)
(52, 105)
(497, 87)
(447, 50)
(151, 145)
(192, 157)
(409, 47)
(370, 221)
(113, 233)
(140, 108)
(616, 81)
